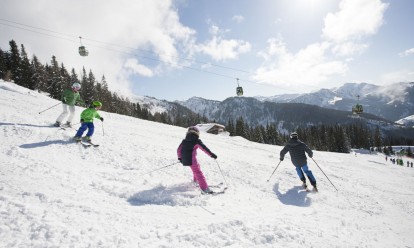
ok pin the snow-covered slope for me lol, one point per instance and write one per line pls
(54, 193)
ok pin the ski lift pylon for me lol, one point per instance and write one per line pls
(239, 90)
(82, 50)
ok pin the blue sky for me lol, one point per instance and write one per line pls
(178, 49)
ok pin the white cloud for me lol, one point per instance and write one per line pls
(135, 67)
(221, 50)
(342, 38)
(309, 66)
(238, 18)
(354, 20)
(407, 52)
(111, 32)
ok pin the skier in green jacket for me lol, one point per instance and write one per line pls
(69, 98)
(87, 117)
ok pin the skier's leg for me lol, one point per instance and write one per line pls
(81, 130)
(300, 174)
(71, 113)
(91, 129)
(63, 114)
(309, 174)
(199, 176)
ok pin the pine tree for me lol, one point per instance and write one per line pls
(39, 75)
(55, 86)
(14, 63)
(3, 67)
(26, 70)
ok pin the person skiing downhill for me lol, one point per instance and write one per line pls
(86, 120)
(297, 149)
(69, 98)
(187, 155)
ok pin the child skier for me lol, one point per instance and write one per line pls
(297, 149)
(69, 98)
(187, 155)
(87, 117)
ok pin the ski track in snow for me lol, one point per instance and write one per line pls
(56, 193)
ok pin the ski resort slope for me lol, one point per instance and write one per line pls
(56, 193)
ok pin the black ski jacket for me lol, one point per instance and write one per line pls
(187, 150)
(296, 149)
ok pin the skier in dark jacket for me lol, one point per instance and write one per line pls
(187, 154)
(297, 149)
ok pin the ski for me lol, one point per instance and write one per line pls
(90, 143)
(216, 185)
(221, 191)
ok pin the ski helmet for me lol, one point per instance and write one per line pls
(294, 135)
(97, 104)
(194, 130)
(76, 86)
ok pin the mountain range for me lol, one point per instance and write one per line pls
(386, 106)
(392, 102)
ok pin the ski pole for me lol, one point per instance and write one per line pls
(222, 173)
(49, 108)
(325, 174)
(274, 170)
(159, 168)
(103, 131)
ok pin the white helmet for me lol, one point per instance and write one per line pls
(76, 86)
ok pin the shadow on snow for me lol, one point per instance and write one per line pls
(295, 196)
(46, 143)
(176, 195)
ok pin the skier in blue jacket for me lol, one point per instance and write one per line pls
(297, 149)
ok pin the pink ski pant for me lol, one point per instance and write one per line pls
(199, 177)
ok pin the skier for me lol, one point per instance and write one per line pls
(297, 149)
(86, 120)
(69, 98)
(187, 155)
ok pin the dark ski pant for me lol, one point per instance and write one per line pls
(304, 169)
(83, 127)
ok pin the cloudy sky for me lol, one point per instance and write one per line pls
(178, 49)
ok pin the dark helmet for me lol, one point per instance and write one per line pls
(194, 130)
(294, 135)
(96, 104)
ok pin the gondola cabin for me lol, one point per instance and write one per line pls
(239, 91)
(357, 109)
(83, 51)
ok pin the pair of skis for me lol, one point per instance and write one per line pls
(87, 144)
(220, 190)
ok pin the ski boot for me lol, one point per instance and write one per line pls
(207, 191)
(57, 124)
(304, 185)
(87, 139)
(77, 139)
(315, 189)
(68, 124)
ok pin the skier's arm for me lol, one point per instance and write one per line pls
(283, 153)
(179, 151)
(308, 151)
(205, 149)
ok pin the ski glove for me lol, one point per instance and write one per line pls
(281, 159)
(101, 119)
(214, 156)
(82, 120)
(179, 159)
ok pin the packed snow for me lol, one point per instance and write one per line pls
(131, 192)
